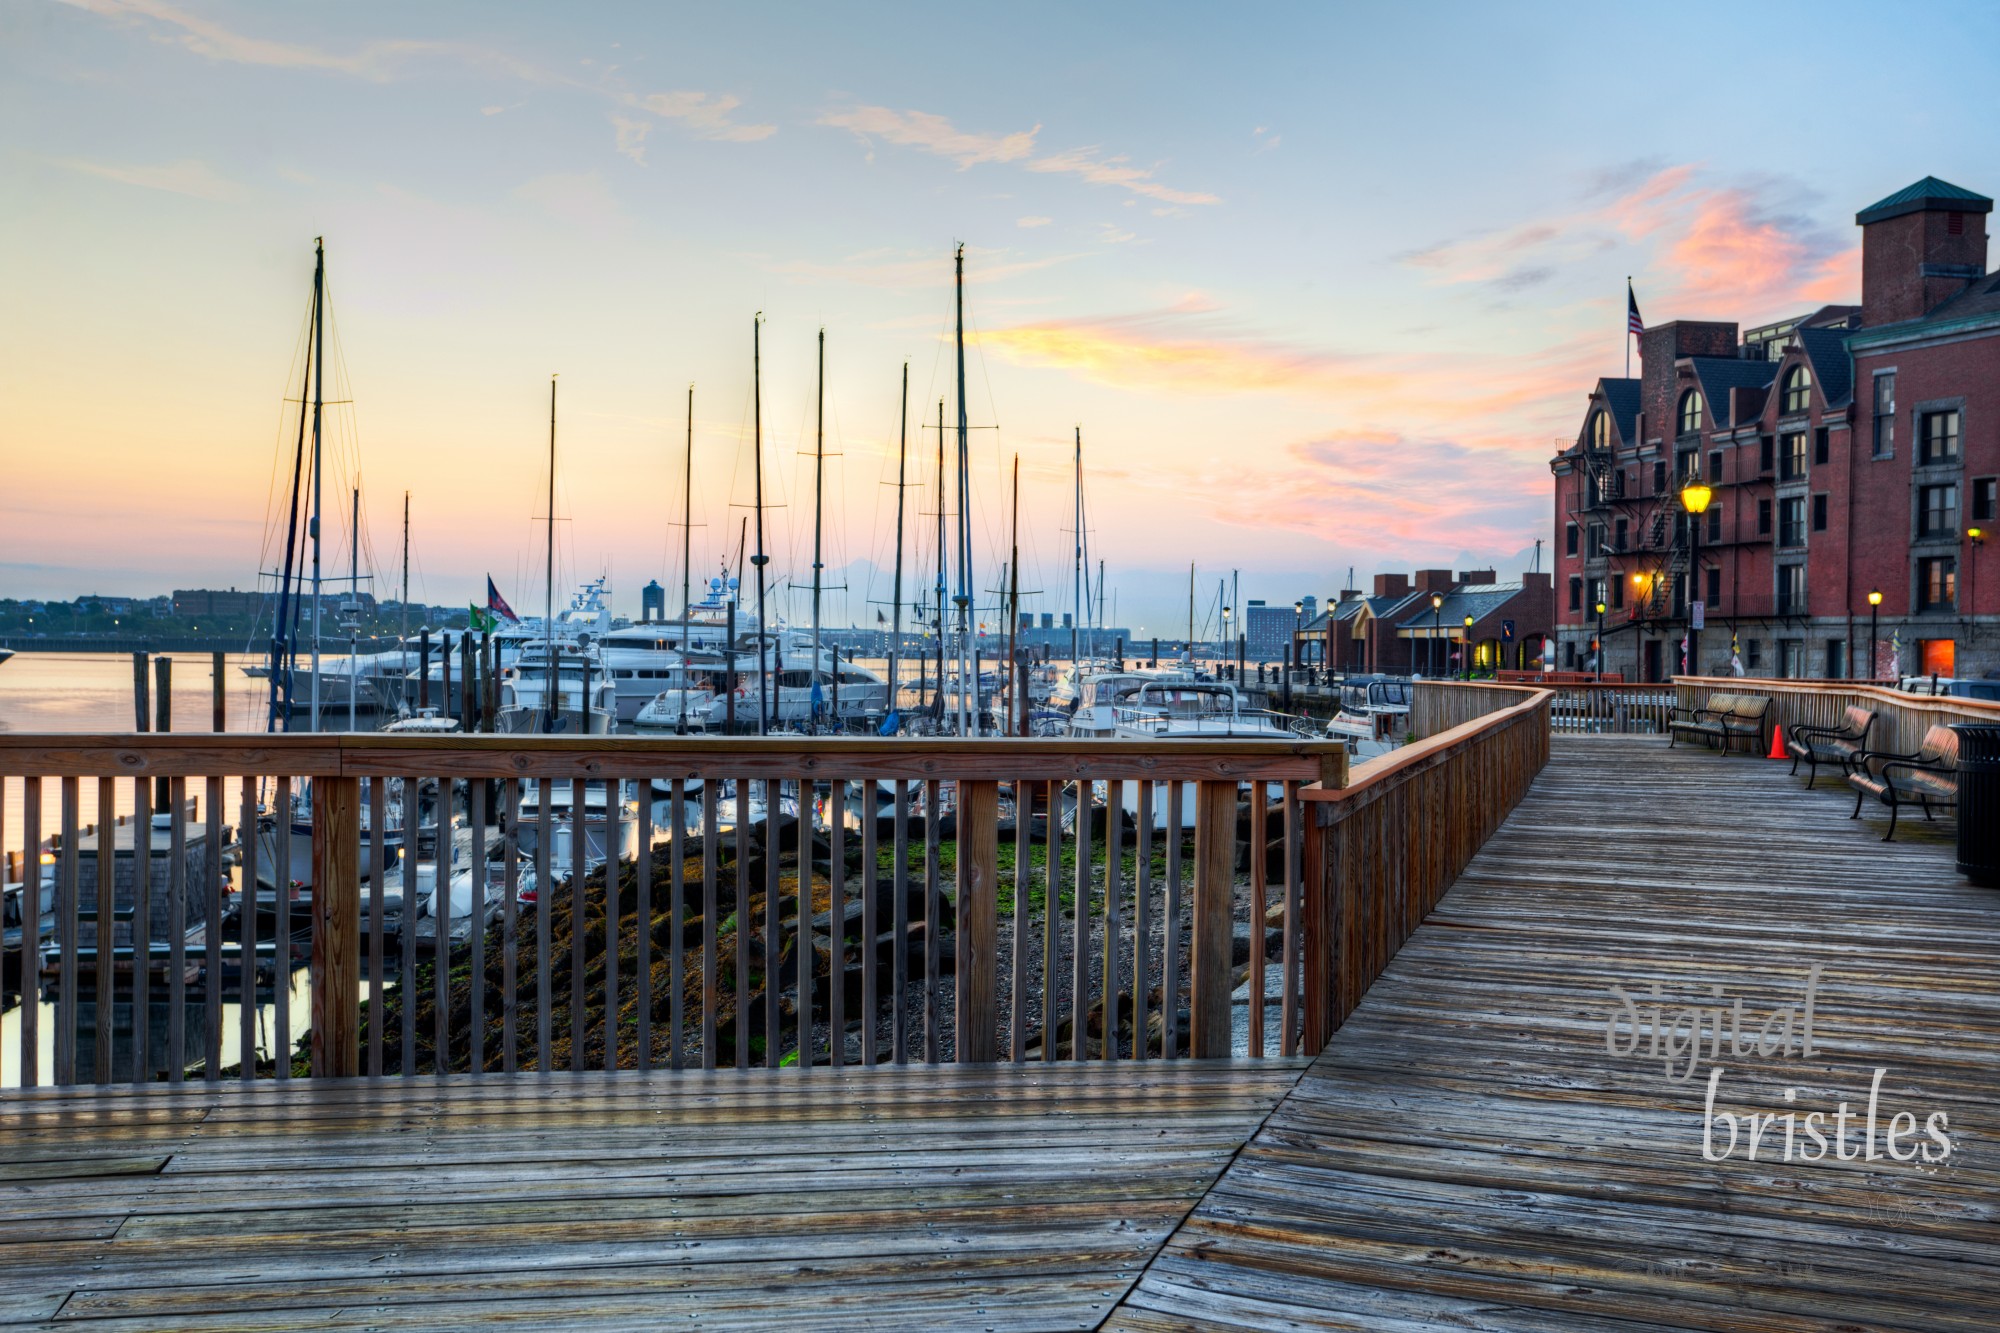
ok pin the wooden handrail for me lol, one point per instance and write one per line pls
(1902, 717)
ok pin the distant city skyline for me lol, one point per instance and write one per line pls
(1310, 309)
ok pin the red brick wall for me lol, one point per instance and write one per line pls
(1892, 253)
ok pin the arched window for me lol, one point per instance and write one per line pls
(1798, 389)
(1600, 430)
(1691, 412)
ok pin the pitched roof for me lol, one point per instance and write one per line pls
(1826, 350)
(1478, 600)
(1717, 375)
(1622, 397)
(1379, 607)
(1928, 193)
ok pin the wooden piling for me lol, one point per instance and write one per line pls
(141, 681)
(219, 714)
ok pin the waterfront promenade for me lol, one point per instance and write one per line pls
(1465, 1153)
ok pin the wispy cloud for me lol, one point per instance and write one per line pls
(935, 134)
(705, 115)
(1033, 220)
(187, 176)
(1118, 171)
(1740, 248)
(580, 200)
(912, 269)
(931, 134)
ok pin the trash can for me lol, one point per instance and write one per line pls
(1979, 802)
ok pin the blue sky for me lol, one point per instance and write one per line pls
(1322, 285)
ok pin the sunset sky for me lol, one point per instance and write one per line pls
(1322, 284)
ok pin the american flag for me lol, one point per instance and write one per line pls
(1633, 323)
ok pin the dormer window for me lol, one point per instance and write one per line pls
(1600, 430)
(1692, 412)
(1798, 390)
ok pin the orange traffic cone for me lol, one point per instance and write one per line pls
(1778, 742)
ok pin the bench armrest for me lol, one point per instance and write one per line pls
(1695, 713)
(1920, 766)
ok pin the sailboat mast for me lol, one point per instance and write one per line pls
(760, 559)
(687, 526)
(354, 596)
(819, 478)
(943, 561)
(1076, 592)
(1190, 613)
(319, 407)
(1014, 600)
(405, 631)
(967, 710)
(549, 583)
(284, 627)
(896, 603)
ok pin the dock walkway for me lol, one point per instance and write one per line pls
(1465, 1154)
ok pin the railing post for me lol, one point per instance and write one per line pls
(977, 1012)
(336, 955)
(1320, 876)
(1214, 893)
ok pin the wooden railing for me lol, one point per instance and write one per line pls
(1436, 706)
(1901, 718)
(996, 900)
(915, 927)
(1383, 848)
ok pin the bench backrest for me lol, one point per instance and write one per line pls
(1721, 704)
(1750, 707)
(1859, 720)
(1940, 747)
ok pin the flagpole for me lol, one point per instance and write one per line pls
(1628, 326)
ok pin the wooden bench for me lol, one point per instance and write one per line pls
(1727, 718)
(1830, 745)
(1927, 778)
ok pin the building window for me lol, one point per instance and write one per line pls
(1594, 543)
(1798, 390)
(1596, 593)
(1715, 523)
(1569, 539)
(1793, 455)
(1791, 590)
(1576, 594)
(1885, 415)
(1691, 412)
(1819, 513)
(1791, 659)
(1940, 438)
(1618, 484)
(1714, 466)
(1687, 466)
(1836, 659)
(1763, 518)
(1753, 653)
(1621, 531)
(1937, 583)
(1713, 593)
(1985, 498)
(1792, 521)
(1659, 475)
(1600, 430)
(1822, 447)
(1767, 454)
(1937, 510)
(1618, 594)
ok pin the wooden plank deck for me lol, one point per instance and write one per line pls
(1467, 1154)
(915, 1198)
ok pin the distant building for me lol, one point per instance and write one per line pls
(652, 602)
(1417, 624)
(230, 605)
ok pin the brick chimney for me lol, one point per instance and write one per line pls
(1477, 576)
(1434, 580)
(1919, 248)
(1392, 585)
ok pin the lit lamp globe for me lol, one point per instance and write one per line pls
(1695, 497)
(1874, 599)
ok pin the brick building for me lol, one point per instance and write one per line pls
(1398, 630)
(1850, 451)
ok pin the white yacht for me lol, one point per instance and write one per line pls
(1099, 694)
(1374, 714)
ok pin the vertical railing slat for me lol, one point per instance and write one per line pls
(774, 796)
(614, 913)
(642, 919)
(742, 917)
(442, 851)
(1142, 920)
(69, 931)
(836, 927)
(31, 932)
(510, 932)
(975, 1017)
(545, 904)
(246, 932)
(899, 948)
(177, 891)
(142, 929)
(711, 984)
(1079, 995)
(1209, 959)
(476, 814)
(412, 859)
(1260, 896)
(1017, 973)
(1294, 924)
(1170, 948)
(933, 916)
(105, 915)
(281, 876)
(211, 897)
(871, 926)
(1051, 915)
(579, 852)
(1114, 893)
(676, 922)
(378, 839)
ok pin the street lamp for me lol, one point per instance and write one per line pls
(1874, 610)
(1225, 633)
(1437, 625)
(1467, 662)
(1694, 498)
(1598, 656)
(1977, 536)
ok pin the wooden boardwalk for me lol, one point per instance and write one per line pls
(1467, 1154)
(893, 1199)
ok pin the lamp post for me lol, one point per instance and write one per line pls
(1466, 661)
(1977, 538)
(1642, 584)
(1695, 496)
(1437, 627)
(1597, 657)
(1874, 610)
(1223, 648)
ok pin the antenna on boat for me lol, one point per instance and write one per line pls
(966, 716)
(819, 474)
(549, 586)
(1076, 625)
(319, 407)
(896, 598)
